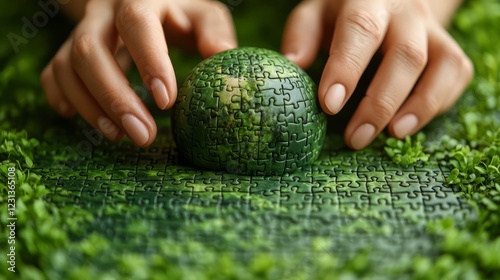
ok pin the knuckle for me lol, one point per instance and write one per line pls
(302, 9)
(130, 14)
(385, 106)
(59, 65)
(411, 54)
(221, 9)
(431, 105)
(457, 58)
(118, 103)
(349, 60)
(110, 97)
(45, 76)
(365, 23)
(467, 68)
(83, 46)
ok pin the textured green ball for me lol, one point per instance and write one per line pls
(248, 111)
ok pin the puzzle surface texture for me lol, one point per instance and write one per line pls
(249, 111)
(146, 200)
(86, 208)
(152, 201)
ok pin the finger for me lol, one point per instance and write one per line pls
(122, 56)
(405, 56)
(97, 68)
(79, 97)
(359, 31)
(213, 27)
(140, 28)
(303, 33)
(448, 73)
(53, 93)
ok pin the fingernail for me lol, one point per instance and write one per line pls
(160, 93)
(107, 127)
(405, 125)
(334, 98)
(362, 136)
(135, 129)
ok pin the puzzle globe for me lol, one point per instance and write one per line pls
(248, 111)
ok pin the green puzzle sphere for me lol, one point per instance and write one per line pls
(248, 111)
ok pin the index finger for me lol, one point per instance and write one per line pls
(359, 31)
(141, 30)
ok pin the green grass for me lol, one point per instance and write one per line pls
(50, 243)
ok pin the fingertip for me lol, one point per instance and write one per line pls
(213, 27)
(137, 130)
(54, 95)
(160, 93)
(303, 56)
(211, 47)
(302, 34)
(298, 59)
(334, 98)
(65, 109)
(227, 45)
(291, 56)
(404, 126)
(362, 136)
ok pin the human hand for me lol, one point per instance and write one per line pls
(87, 73)
(423, 71)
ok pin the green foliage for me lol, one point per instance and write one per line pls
(51, 244)
(41, 227)
(406, 152)
(16, 146)
(473, 168)
(467, 254)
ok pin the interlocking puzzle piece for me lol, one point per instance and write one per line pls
(353, 199)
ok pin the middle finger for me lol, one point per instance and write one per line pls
(405, 56)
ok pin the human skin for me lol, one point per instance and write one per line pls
(423, 71)
(422, 74)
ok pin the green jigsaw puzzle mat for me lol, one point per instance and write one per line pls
(427, 207)
(348, 200)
